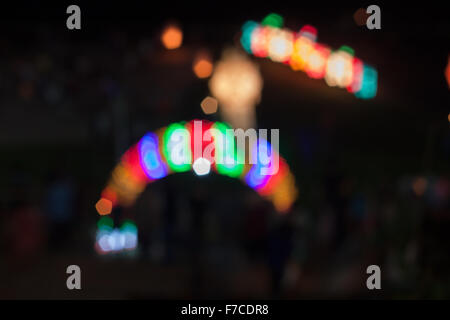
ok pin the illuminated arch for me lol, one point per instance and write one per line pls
(301, 51)
(177, 148)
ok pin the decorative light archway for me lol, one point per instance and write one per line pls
(173, 149)
(301, 51)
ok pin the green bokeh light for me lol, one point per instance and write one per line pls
(246, 37)
(273, 20)
(182, 142)
(369, 80)
(105, 223)
(228, 150)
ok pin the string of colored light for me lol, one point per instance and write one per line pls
(172, 149)
(301, 51)
(110, 239)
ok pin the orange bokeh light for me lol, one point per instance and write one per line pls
(209, 105)
(202, 66)
(103, 206)
(110, 194)
(419, 186)
(172, 37)
(360, 16)
(316, 61)
(303, 47)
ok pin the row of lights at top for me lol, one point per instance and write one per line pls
(301, 51)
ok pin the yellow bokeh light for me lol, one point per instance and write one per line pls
(302, 49)
(285, 194)
(339, 69)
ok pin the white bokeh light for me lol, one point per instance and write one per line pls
(201, 166)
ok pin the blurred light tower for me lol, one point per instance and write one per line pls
(237, 83)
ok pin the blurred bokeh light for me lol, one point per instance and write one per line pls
(172, 37)
(447, 72)
(209, 105)
(103, 206)
(302, 53)
(202, 65)
(360, 17)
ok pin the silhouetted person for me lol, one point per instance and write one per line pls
(169, 217)
(198, 206)
(59, 208)
(280, 248)
(255, 229)
(333, 182)
(25, 232)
